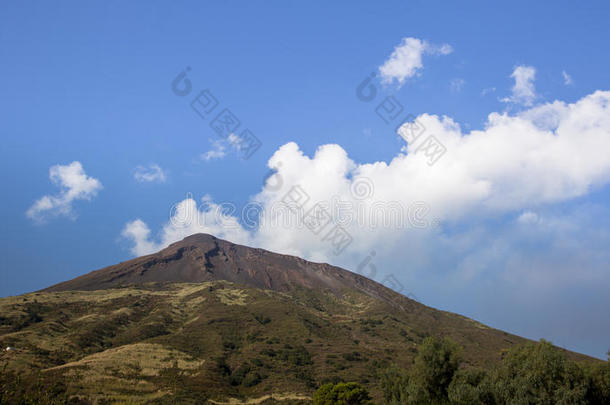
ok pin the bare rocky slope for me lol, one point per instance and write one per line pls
(201, 257)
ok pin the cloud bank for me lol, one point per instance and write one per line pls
(543, 155)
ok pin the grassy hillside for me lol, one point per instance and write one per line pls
(216, 340)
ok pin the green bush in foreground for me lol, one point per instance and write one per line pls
(350, 393)
(539, 374)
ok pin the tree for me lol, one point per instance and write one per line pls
(470, 387)
(394, 382)
(350, 393)
(428, 380)
(530, 374)
(538, 373)
(598, 378)
(436, 362)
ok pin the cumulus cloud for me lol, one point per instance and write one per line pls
(187, 218)
(567, 79)
(543, 155)
(139, 232)
(406, 59)
(74, 185)
(149, 174)
(523, 91)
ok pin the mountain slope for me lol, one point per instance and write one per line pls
(201, 257)
(206, 319)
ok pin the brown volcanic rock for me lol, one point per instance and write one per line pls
(203, 257)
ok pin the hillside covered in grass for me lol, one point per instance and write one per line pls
(275, 331)
(218, 340)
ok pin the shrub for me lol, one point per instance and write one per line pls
(252, 379)
(354, 356)
(263, 320)
(298, 356)
(239, 375)
(350, 393)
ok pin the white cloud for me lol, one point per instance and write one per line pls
(186, 218)
(139, 232)
(523, 91)
(217, 152)
(148, 174)
(457, 85)
(234, 142)
(444, 49)
(543, 155)
(75, 185)
(406, 59)
(567, 79)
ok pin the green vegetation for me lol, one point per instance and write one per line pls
(350, 393)
(16, 388)
(196, 342)
(428, 380)
(534, 373)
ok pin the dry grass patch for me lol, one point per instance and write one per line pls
(232, 296)
(253, 401)
(145, 359)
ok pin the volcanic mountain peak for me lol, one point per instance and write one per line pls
(202, 257)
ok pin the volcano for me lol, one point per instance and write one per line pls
(205, 320)
(202, 257)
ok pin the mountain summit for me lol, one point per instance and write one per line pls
(201, 257)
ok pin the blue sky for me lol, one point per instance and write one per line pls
(92, 84)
